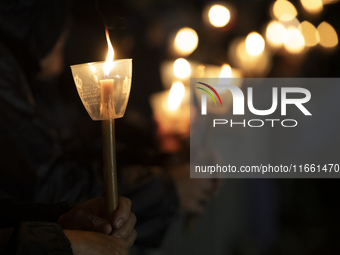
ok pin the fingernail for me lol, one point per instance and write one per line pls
(119, 223)
(117, 235)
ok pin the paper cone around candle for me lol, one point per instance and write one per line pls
(91, 83)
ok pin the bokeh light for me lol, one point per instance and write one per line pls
(295, 43)
(328, 35)
(186, 41)
(312, 6)
(310, 34)
(276, 34)
(226, 71)
(176, 95)
(284, 10)
(251, 66)
(254, 44)
(291, 23)
(219, 15)
(324, 2)
(182, 68)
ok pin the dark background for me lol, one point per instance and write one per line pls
(276, 216)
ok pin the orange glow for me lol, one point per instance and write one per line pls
(226, 71)
(182, 68)
(109, 60)
(276, 34)
(254, 44)
(310, 34)
(328, 35)
(176, 95)
(219, 15)
(295, 43)
(284, 10)
(312, 6)
(291, 23)
(329, 1)
(186, 41)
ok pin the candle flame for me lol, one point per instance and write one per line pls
(109, 60)
(176, 95)
(182, 69)
(226, 71)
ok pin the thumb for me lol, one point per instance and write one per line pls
(90, 222)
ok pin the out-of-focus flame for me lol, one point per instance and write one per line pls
(312, 6)
(109, 60)
(219, 15)
(250, 65)
(284, 10)
(328, 35)
(310, 34)
(276, 34)
(186, 41)
(176, 95)
(226, 71)
(182, 68)
(295, 43)
(254, 44)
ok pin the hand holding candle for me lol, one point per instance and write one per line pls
(104, 89)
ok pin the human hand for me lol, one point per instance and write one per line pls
(193, 193)
(92, 243)
(91, 216)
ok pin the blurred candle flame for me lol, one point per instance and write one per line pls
(186, 41)
(254, 44)
(284, 10)
(109, 60)
(276, 34)
(312, 6)
(310, 34)
(226, 71)
(176, 95)
(219, 15)
(295, 42)
(328, 35)
(182, 68)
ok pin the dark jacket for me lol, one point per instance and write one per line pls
(35, 231)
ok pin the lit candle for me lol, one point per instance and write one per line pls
(106, 100)
(107, 112)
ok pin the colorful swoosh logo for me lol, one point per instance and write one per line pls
(212, 89)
